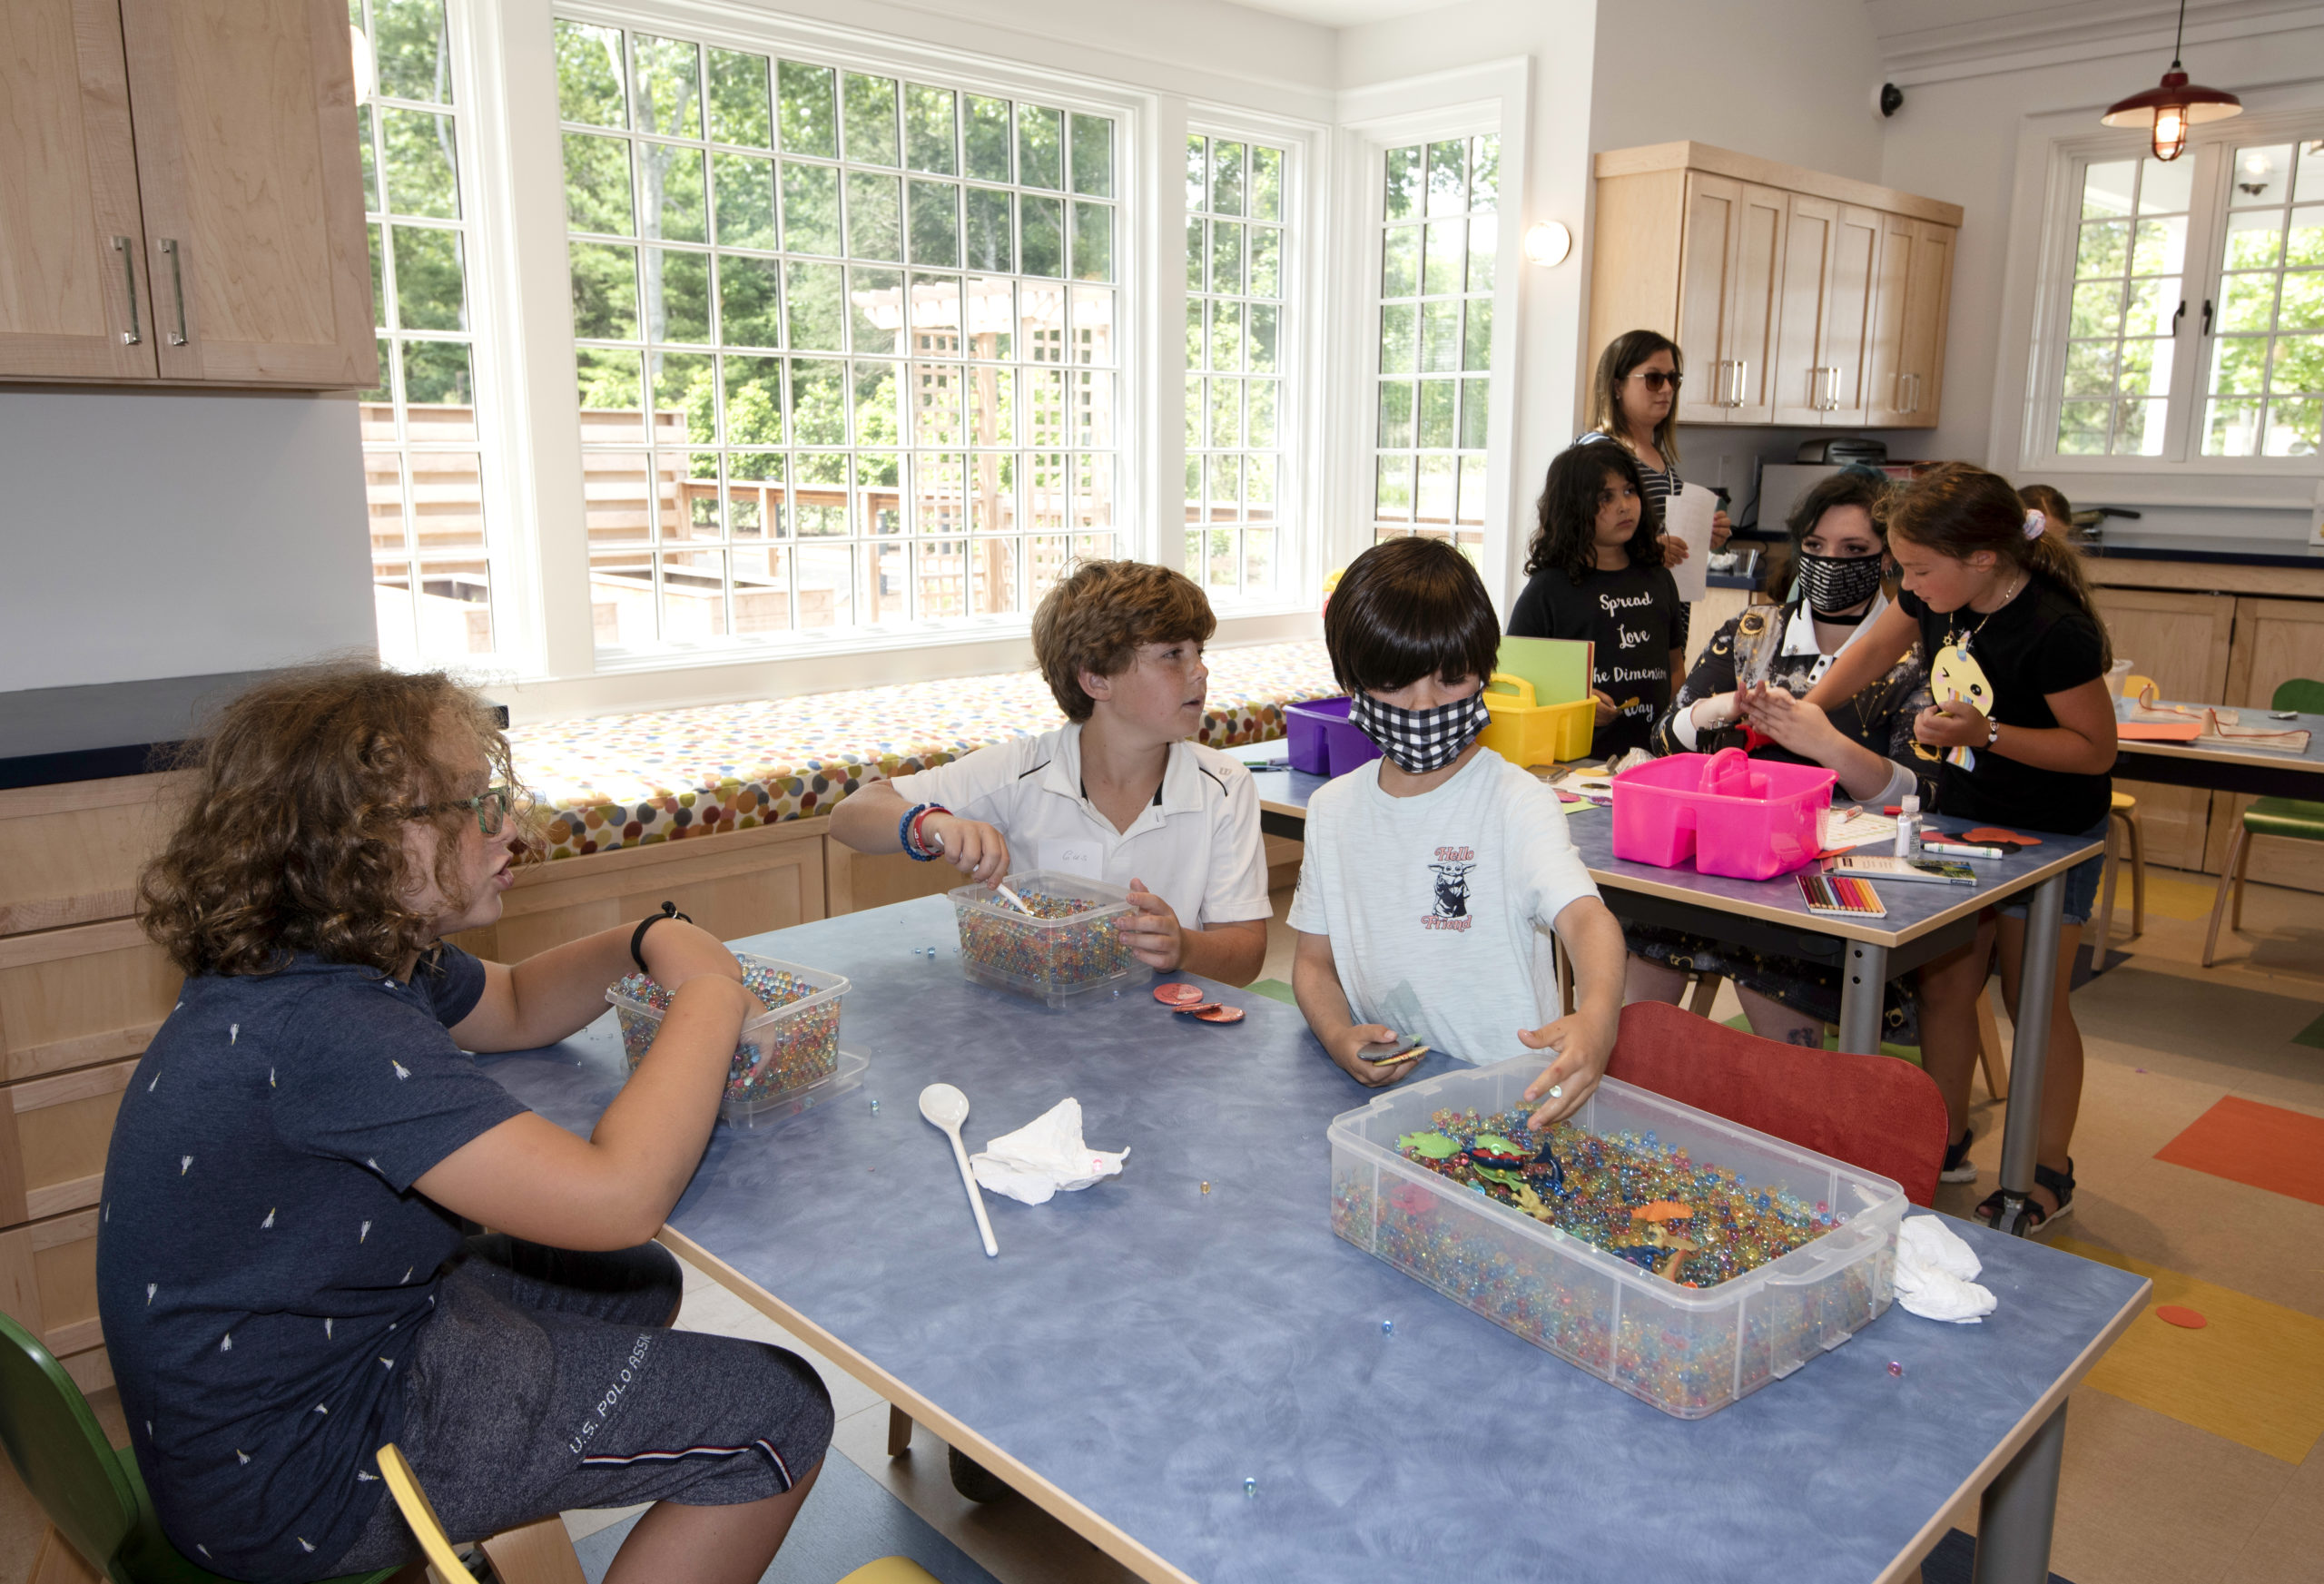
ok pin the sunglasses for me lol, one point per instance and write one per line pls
(491, 808)
(1656, 379)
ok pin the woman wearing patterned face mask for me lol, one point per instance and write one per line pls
(1753, 675)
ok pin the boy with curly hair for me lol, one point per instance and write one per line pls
(1117, 794)
(281, 1267)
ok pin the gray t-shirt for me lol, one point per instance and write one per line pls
(1438, 906)
(263, 1261)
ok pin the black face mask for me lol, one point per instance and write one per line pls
(1833, 584)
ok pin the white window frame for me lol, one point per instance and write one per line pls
(1491, 98)
(2025, 420)
(1299, 357)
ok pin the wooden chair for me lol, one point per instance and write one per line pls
(2122, 819)
(102, 1527)
(1871, 1111)
(2294, 819)
(537, 1553)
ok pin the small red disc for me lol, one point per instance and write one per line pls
(1177, 995)
(1220, 1014)
(2179, 1316)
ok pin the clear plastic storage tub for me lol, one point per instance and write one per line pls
(1322, 741)
(787, 1103)
(1732, 814)
(1687, 1351)
(1058, 959)
(783, 1049)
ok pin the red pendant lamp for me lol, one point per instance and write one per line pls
(2174, 106)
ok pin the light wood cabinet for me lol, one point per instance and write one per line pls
(2183, 640)
(1798, 298)
(2276, 640)
(181, 196)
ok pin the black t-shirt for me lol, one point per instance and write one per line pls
(2007, 665)
(1634, 617)
(263, 1261)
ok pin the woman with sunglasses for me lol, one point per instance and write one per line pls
(282, 1271)
(1633, 403)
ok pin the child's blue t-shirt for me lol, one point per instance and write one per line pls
(263, 1261)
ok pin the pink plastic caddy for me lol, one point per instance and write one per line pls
(1731, 814)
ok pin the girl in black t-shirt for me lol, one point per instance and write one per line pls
(1595, 573)
(2017, 658)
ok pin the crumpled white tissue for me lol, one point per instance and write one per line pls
(1044, 1155)
(1937, 1273)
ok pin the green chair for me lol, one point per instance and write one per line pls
(2293, 818)
(101, 1523)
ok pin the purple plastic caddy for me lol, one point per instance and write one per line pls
(1733, 815)
(1324, 742)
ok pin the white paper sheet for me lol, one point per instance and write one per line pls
(1688, 516)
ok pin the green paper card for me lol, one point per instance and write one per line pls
(1559, 668)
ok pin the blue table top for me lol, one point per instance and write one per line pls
(2228, 748)
(1913, 909)
(1141, 1348)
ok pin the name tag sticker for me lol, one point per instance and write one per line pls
(1086, 859)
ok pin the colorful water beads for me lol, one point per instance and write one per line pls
(778, 1050)
(1630, 1194)
(1068, 942)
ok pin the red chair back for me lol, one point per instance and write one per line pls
(1871, 1111)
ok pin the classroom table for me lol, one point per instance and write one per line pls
(1141, 1349)
(2223, 764)
(1924, 922)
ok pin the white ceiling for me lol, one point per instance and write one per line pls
(1344, 13)
(1913, 33)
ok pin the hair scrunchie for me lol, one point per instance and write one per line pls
(2034, 523)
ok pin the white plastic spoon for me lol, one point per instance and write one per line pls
(947, 1107)
(1015, 901)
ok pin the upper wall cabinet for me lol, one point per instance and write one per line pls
(1798, 298)
(180, 199)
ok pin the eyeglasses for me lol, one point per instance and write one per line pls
(1656, 379)
(491, 809)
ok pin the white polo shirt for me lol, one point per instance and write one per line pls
(1197, 845)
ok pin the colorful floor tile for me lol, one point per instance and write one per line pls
(2264, 1147)
(2312, 1036)
(2254, 1372)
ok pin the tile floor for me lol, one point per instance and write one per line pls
(2203, 1466)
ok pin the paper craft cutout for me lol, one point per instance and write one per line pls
(2212, 722)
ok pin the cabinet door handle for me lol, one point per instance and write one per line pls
(177, 282)
(136, 333)
(1742, 378)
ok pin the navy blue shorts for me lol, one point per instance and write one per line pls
(2082, 888)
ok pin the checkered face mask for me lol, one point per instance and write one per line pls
(1419, 741)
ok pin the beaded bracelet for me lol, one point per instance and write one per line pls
(907, 831)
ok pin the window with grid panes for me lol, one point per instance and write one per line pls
(2264, 386)
(1234, 363)
(2129, 259)
(423, 479)
(846, 342)
(1437, 245)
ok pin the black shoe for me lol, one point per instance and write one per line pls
(1958, 1168)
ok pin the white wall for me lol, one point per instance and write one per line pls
(1959, 138)
(166, 533)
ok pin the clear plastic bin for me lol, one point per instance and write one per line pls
(1057, 961)
(783, 1049)
(1752, 818)
(1687, 1351)
(1322, 741)
(787, 1103)
(1527, 733)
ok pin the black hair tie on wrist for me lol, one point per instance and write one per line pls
(637, 936)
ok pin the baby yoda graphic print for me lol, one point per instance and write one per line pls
(1955, 674)
(1450, 891)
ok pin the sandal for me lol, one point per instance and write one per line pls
(2038, 1221)
(1958, 1168)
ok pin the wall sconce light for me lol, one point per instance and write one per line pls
(1547, 243)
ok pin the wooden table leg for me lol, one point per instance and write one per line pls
(899, 1432)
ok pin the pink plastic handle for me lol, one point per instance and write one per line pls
(1727, 768)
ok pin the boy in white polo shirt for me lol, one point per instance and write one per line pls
(1117, 794)
(1433, 875)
